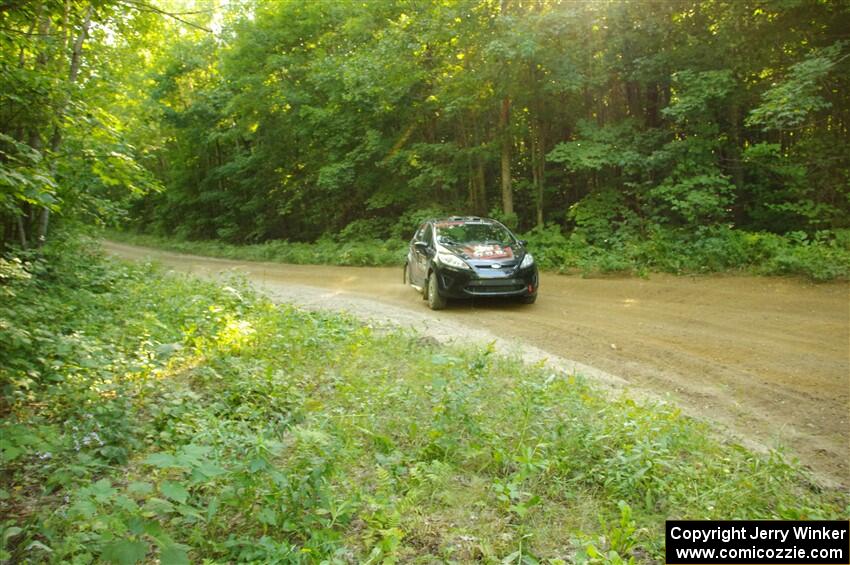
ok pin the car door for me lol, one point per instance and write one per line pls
(420, 254)
(412, 258)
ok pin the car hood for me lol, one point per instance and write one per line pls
(483, 258)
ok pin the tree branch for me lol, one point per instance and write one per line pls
(144, 7)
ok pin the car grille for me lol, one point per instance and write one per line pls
(494, 286)
(502, 266)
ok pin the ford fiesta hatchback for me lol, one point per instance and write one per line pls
(465, 257)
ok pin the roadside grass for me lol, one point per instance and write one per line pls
(824, 257)
(374, 253)
(153, 416)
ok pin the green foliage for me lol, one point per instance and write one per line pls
(510, 220)
(697, 199)
(150, 416)
(620, 540)
(598, 148)
(391, 108)
(602, 216)
(698, 96)
(65, 152)
(23, 177)
(707, 250)
(789, 104)
(364, 230)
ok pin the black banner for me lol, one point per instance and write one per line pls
(743, 542)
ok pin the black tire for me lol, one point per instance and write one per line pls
(528, 299)
(435, 301)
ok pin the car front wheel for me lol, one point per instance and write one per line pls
(435, 301)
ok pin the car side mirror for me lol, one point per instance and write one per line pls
(421, 245)
(523, 242)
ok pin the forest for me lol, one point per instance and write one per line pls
(646, 130)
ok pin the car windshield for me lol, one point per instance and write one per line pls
(465, 233)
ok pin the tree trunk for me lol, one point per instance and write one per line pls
(653, 109)
(538, 165)
(735, 156)
(479, 182)
(633, 99)
(481, 186)
(42, 226)
(541, 177)
(470, 185)
(507, 190)
(505, 138)
(56, 139)
(465, 141)
(22, 231)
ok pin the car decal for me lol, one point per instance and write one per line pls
(488, 252)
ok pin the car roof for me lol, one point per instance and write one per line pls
(463, 219)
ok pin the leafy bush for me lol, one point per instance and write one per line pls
(551, 249)
(149, 416)
(409, 221)
(364, 230)
(602, 216)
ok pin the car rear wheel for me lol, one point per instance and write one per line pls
(529, 299)
(435, 301)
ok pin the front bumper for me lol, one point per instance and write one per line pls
(456, 283)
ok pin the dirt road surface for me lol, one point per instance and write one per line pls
(766, 360)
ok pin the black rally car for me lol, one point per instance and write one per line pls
(465, 257)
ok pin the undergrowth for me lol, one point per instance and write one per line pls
(326, 251)
(151, 416)
(823, 257)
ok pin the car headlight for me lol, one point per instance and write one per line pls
(527, 261)
(452, 261)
